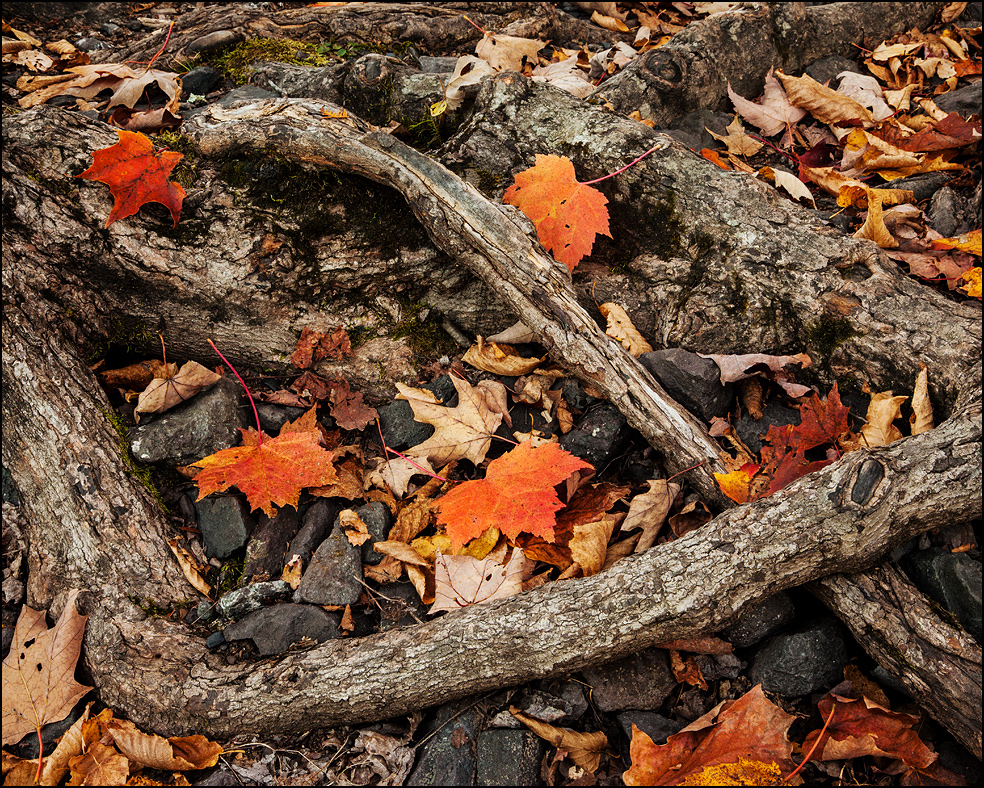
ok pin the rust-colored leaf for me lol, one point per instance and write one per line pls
(313, 346)
(584, 749)
(136, 175)
(269, 475)
(567, 214)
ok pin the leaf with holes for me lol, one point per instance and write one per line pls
(136, 175)
(567, 214)
(39, 671)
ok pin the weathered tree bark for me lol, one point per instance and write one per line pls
(899, 628)
(712, 261)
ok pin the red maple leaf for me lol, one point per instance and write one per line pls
(567, 214)
(269, 474)
(136, 174)
(821, 423)
(516, 496)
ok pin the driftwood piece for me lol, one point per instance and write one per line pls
(940, 666)
(693, 69)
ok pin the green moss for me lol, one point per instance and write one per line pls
(237, 61)
(186, 171)
(230, 576)
(665, 238)
(828, 333)
(123, 338)
(417, 325)
(144, 473)
(425, 134)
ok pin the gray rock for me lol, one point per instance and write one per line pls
(200, 81)
(509, 757)
(437, 65)
(401, 607)
(801, 662)
(655, 726)
(242, 601)
(245, 93)
(275, 629)
(315, 527)
(826, 69)
(965, 101)
(599, 436)
(714, 667)
(953, 580)
(692, 381)
(449, 756)
(642, 681)
(378, 520)
(692, 128)
(751, 432)
(942, 212)
(224, 525)
(212, 41)
(334, 574)
(204, 425)
(274, 417)
(544, 706)
(924, 185)
(265, 552)
(756, 624)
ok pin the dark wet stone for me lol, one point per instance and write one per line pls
(202, 426)
(599, 436)
(200, 81)
(315, 526)
(224, 525)
(953, 580)
(509, 757)
(334, 574)
(275, 629)
(642, 681)
(378, 522)
(265, 552)
(801, 662)
(655, 726)
(757, 623)
(691, 380)
(449, 756)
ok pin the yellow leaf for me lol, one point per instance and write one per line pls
(620, 327)
(882, 411)
(744, 772)
(972, 280)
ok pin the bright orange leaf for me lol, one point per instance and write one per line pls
(271, 474)
(136, 175)
(567, 214)
(517, 495)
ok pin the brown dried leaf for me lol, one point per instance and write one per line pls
(499, 359)
(174, 387)
(620, 327)
(648, 511)
(922, 409)
(882, 411)
(39, 679)
(584, 749)
(355, 529)
(191, 569)
(461, 580)
(589, 545)
(179, 753)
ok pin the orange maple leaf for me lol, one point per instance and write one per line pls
(271, 473)
(567, 214)
(136, 175)
(517, 495)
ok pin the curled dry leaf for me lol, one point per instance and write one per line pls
(174, 387)
(191, 569)
(649, 510)
(179, 753)
(882, 411)
(516, 334)
(508, 53)
(620, 327)
(395, 473)
(922, 409)
(468, 71)
(355, 529)
(584, 749)
(589, 545)
(499, 359)
(774, 114)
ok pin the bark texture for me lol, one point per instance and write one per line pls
(709, 260)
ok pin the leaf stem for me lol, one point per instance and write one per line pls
(809, 755)
(480, 29)
(658, 146)
(394, 451)
(256, 415)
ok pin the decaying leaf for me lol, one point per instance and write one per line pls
(883, 409)
(39, 679)
(347, 407)
(922, 409)
(620, 327)
(136, 175)
(461, 580)
(774, 114)
(589, 544)
(395, 473)
(508, 53)
(355, 529)
(584, 749)
(734, 368)
(174, 387)
(313, 346)
(751, 727)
